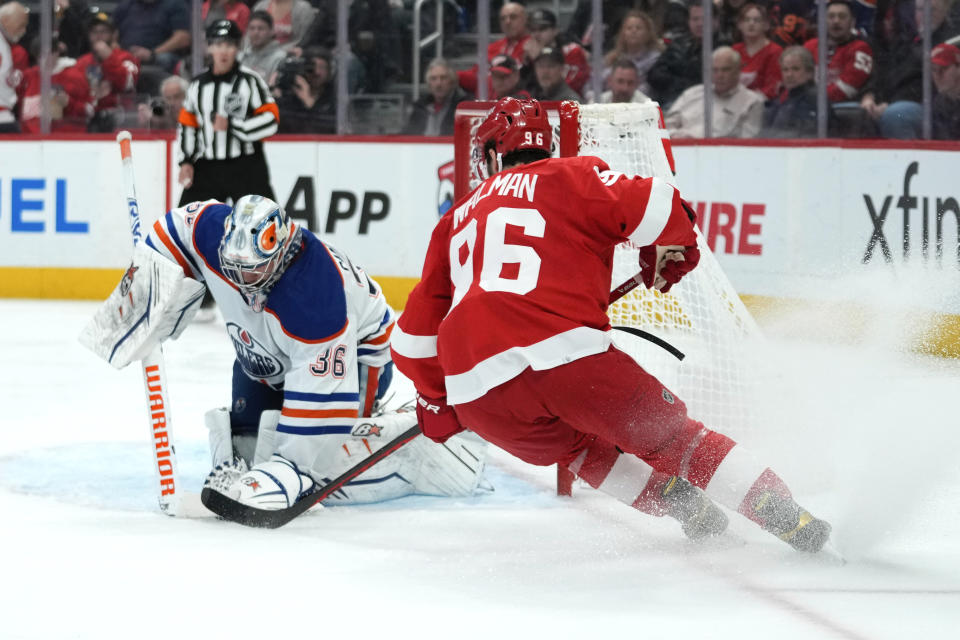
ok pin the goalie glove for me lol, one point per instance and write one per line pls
(153, 302)
(437, 419)
(275, 484)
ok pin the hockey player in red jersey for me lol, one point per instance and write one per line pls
(507, 334)
(850, 58)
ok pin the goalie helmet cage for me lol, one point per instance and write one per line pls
(702, 315)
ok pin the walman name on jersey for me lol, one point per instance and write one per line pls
(253, 356)
(518, 185)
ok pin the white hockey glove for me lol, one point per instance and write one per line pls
(153, 302)
(274, 484)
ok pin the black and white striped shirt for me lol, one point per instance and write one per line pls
(243, 98)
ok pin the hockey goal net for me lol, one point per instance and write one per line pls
(702, 316)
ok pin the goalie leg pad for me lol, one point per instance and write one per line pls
(251, 448)
(454, 468)
(153, 302)
(266, 436)
(217, 422)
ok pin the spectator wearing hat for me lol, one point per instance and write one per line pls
(550, 70)
(432, 114)
(622, 84)
(945, 65)
(850, 58)
(261, 51)
(545, 33)
(157, 32)
(737, 111)
(513, 24)
(111, 71)
(505, 79)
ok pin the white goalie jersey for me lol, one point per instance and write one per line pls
(324, 317)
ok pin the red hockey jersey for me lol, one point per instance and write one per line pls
(578, 67)
(848, 69)
(110, 77)
(518, 274)
(761, 71)
(66, 78)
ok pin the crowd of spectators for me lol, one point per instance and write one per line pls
(125, 65)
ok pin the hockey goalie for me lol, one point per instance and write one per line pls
(311, 331)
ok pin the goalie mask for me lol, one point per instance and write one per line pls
(514, 125)
(259, 241)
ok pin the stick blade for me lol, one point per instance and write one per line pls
(229, 509)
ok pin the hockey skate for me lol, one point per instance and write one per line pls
(790, 522)
(698, 515)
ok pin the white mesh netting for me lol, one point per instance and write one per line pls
(702, 316)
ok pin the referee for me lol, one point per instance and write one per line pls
(227, 112)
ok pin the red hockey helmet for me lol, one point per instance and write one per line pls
(515, 124)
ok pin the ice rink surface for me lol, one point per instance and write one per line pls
(866, 437)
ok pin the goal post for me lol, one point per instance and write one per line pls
(702, 315)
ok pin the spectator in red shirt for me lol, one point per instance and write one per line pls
(850, 57)
(545, 33)
(111, 71)
(71, 103)
(513, 23)
(234, 10)
(760, 57)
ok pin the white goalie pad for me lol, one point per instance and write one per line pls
(422, 466)
(153, 302)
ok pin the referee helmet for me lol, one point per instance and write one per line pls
(224, 30)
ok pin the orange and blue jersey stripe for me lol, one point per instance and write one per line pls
(316, 414)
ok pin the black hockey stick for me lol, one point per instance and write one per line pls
(230, 509)
(660, 342)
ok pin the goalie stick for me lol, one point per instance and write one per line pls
(229, 509)
(167, 482)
